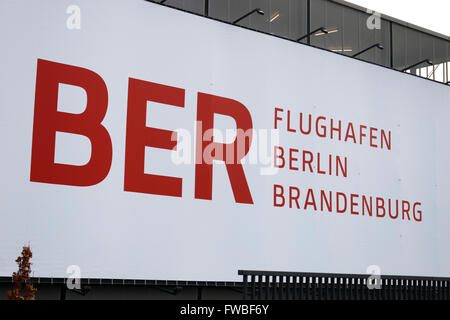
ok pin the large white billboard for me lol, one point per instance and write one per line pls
(143, 142)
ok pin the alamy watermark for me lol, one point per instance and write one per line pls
(73, 21)
(374, 280)
(74, 277)
(374, 21)
(232, 146)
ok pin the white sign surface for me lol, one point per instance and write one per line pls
(355, 174)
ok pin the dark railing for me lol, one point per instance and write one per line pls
(273, 285)
(172, 287)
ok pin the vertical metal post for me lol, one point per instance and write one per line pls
(419, 290)
(245, 286)
(260, 286)
(287, 287)
(352, 288)
(429, 290)
(440, 290)
(447, 288)
(327, 288)
(391, 45)
(295, 288)
(410, 289)
(308, 288)
(199, 293)
(280, 290)
(320, 284)
(274, 287)
(339, 288)
(315, 287)
(63, 292)
(380, 293)
(333, 288)
(252, 296)
(308, 20)
(416, 290)
(434, 288)
(206, 12)
(302, 286)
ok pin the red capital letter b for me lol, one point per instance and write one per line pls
(47, 121)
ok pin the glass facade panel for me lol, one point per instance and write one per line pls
(351, 32)
(413, 52)
(257, 21)
(412, 46)
(368, 37)
(219, 9)
(318, 18)
(298, 17)
(279, 18)
(440, 59)
(399, 47)
(196, 6)
(348, 31)
(447, 65)
(383, 57)
(239, 8)
(284, 18)
(334, 25)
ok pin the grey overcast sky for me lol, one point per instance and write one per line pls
(430, 14)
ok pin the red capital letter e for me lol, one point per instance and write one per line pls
(139, 136)
(208, 105)
(47, 121)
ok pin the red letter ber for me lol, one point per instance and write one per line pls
(47, 121)
(139, 136)
(208, 105)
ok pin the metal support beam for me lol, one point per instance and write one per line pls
(377, 45)
(257, 10)
(321, 29)
(427, 61)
